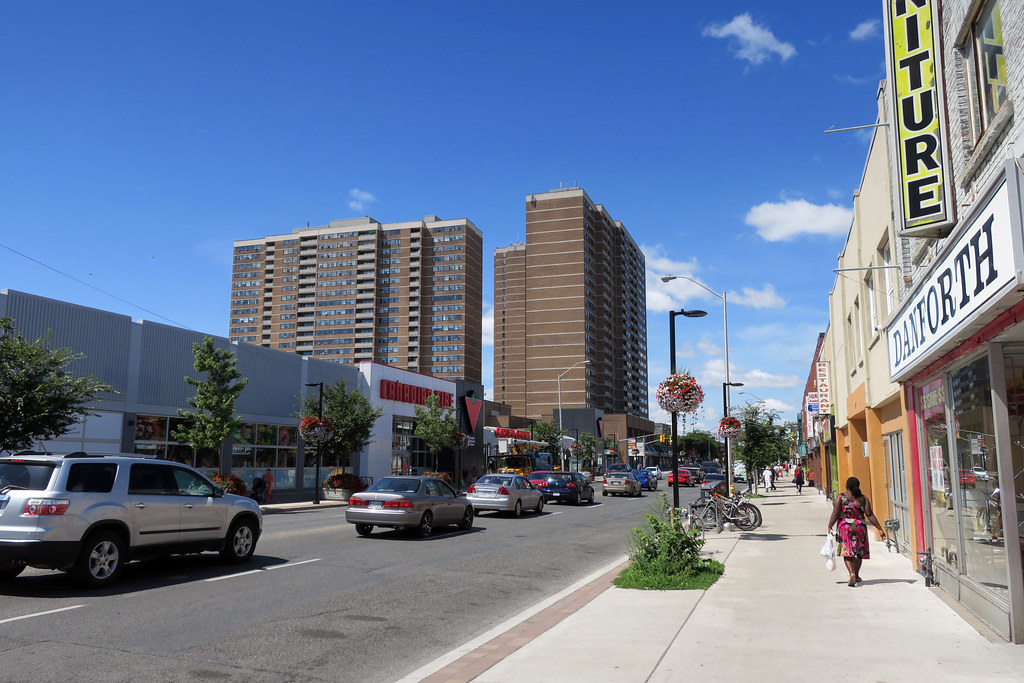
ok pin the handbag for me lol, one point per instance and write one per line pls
(829, 549)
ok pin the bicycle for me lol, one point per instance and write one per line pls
(714, 511)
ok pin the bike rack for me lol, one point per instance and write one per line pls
(891, 527)
(924, 564)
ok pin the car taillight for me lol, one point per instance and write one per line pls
(354, 501)
(604, 481)
(44, 507)
(398, 503)
(571, 485)
(471, 489)
(503, 491)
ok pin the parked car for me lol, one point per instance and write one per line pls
(697, 471)
(980, 473)
(714, 481)
(621, 483)
(967, 479)
(505, 493)
(656, 472)
(683, 476)
(91, 514)
(416, 503)
(646, 480)
(710, 466)
(618, 467)
(568, 487)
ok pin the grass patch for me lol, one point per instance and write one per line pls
(652, 580)
(667, 556)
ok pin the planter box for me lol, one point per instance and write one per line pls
(337, 494)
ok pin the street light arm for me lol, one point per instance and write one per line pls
(669, 278)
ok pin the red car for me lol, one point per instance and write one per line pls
(683, 475)
(538, 478)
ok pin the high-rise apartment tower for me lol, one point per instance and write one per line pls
(574, 292)
(403, 294)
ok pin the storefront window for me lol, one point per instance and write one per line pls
(932, 399)
(976, 476)
(1013, 357)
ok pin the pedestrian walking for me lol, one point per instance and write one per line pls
(268, 478)
(798, 478)
(850, 511)
(810, 478)
(767, 476)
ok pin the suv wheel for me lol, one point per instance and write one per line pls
(240, 542)
(102, 559)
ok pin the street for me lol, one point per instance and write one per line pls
(317, 602)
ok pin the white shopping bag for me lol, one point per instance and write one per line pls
(829, 549)
(830, 563)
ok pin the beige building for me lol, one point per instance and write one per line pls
(403, 294)
(570, 302)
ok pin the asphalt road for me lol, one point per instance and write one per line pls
(317, 602)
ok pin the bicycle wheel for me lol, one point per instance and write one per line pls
(743, 520)
(708, 517)
(752, 513)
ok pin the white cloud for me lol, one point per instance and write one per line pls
(708, 347)
(854, 80)
(488, 326)
(865, 29)
(360, 199)
(668, 296)
(758, 298)
(782, 221)
(755, 43)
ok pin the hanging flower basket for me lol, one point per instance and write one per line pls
(729, 428)
(576, 449)
(936, 425)
(462, 440)
(316, 429)
(680, 394)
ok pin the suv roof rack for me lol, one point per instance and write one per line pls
(81, 454)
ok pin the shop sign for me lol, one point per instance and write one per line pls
(506, 433)
(923, 167)
(975, 270)
(824, 387)
(407, 393)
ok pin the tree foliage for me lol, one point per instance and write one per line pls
(589, 444)
(549, 432)
(213, 419)
(437, 426)
(703, 444)
(351, 413)
(39, 397)
(764, 442)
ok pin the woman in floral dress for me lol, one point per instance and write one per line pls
(850, 511)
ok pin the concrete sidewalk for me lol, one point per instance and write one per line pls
(776, 614)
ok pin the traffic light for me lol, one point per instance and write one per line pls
(661, 438)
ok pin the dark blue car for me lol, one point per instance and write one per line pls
(567, 487)
(646, 480)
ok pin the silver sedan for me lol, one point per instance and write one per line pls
(419, 503)
(505, 493)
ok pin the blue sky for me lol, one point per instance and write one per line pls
(141, 139)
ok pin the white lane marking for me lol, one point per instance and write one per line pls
(39, 614)
(446, 659)
(261, 569)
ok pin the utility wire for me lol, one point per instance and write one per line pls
(101, 291)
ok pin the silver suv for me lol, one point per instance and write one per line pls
(91, 514)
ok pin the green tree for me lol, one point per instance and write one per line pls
(213, 419)
(764, 442)
(353, 417)
(437, 426)
(703, 443)
(549, 432)
(589, 443)
(39, 397)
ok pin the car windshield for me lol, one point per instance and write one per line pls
(714, 476)
(641, 473)
(560, 476)
(495, 480)
(396, 485)
(538, 475)
(25, 474)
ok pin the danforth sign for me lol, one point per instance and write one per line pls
(974, 272)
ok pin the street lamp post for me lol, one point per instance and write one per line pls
(725, 326)
(559, 380)
(319, 414)
(675, 416)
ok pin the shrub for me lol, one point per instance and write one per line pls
(667, 556)
(229, 482)
(443, 476)
(344, 480)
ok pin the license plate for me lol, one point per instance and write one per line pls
(556, 494)
(488, 495)
(375, 504)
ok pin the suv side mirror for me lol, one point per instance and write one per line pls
(218, 492)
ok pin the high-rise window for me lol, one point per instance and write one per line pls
(987, 64)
